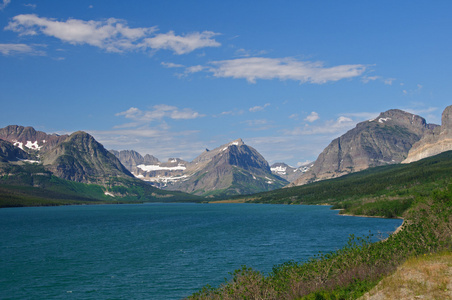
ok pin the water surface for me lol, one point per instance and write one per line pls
(158, 251)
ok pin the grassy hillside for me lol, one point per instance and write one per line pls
(382, 191)
(421, 192)
(31, 185)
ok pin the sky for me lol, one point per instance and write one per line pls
(173, 78)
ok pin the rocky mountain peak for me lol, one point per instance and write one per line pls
(237, 142)
(27, 138)
(81, 158)
(384, 140)
(435, 142)
(446, 119)
(397, 117)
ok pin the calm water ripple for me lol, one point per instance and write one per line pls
(158, 251)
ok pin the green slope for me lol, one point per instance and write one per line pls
(423, 192)
(383, 191)
(31, 185)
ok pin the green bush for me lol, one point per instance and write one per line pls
(351, 271)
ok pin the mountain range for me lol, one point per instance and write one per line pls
(30, 158)
(36, 159)
(230, 169)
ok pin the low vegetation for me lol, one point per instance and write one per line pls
(424, 277)
(386, 191)
(32, 185)
(420, 192)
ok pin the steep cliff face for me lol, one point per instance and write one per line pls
(230, 169)
(81, 158)
(435, 142)
(384, 140)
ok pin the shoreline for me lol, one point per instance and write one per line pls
(397, 230)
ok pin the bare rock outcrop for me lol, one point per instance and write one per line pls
(382, 141)
(434, 142)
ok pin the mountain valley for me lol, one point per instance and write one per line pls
(232, 169)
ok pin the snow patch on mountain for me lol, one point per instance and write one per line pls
(280, 170)
(19, 144)
(30, 161)
(149, 168)
(30, 145)
(33, 146)
(382, 120)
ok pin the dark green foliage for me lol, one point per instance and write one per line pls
(32, 185)
(353, 270)
(381, 208)
(382, 191)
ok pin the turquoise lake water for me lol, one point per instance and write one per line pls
(159, 251)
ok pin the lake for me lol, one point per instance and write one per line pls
(159, 251)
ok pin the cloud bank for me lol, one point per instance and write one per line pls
(12, 49)
(255, 68)
(158, 113)
(111, 35)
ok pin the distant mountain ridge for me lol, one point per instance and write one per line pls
(290, 173)
(384, 140)
(150, 169)
(81, 158)
(34, 159)
(27, 138)
(76, 157)
(230, 169)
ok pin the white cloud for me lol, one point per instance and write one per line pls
(312, 117)
(255, 68)
(338, 126)
(171, 65)
(182, 44)
(194, 69)
(112, 35)
(367, 79)
(387, 81)
(4, 4)
(12, 49)
(234, 112)
(158, 113)
(258, 108)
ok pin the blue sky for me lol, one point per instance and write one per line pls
(171, 78)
